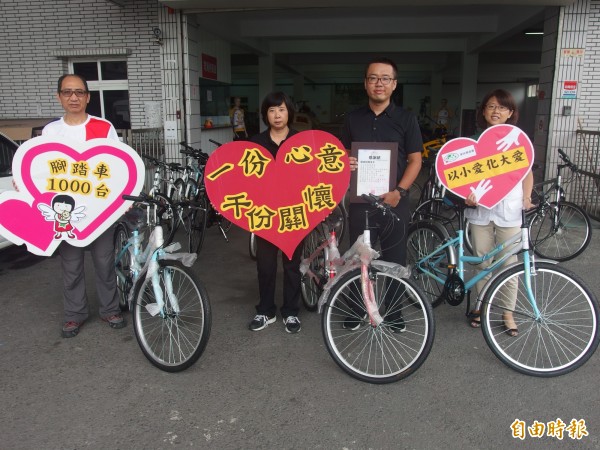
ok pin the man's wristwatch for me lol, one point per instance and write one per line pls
(403, 192)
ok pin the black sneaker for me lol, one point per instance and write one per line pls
(353, 323)
(396, 322)
(292, 324)
(260, 322)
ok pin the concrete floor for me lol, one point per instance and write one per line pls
(265, 389)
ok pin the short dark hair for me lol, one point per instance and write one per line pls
(61, 79)
(382, 60)
(504, 98)
(276, 99)
(61, 198)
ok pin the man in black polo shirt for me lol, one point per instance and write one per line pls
(383, 121)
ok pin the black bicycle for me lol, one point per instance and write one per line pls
(558, 229)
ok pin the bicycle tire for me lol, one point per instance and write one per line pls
(123, 264)
(440, 211)
(171, 340)
(311, 288)
(422, 239)
(376, 354)
(252, 246)
(414, 194)
(565, 241)
(197, 225)
(565, 336)
(191, 190)
(224, 223)
(341, 220)
(178, 192)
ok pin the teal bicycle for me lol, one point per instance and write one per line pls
(555, 312)
(169, 304)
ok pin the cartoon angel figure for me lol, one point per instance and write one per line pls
(62, 213)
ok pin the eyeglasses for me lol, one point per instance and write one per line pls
(498, 107)
(67, 93)
(372, 79)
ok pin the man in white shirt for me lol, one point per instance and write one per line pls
(77, 125)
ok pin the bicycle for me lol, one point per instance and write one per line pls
(558, 229)
(315, 255)
(555, 312)
(376, 325)
(193, 172)
(175, 213)
(170, 306)
(212, 216)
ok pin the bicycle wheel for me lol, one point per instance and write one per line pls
(224, 223)
(561, 340)
(560, 232)
(339, 217)
(312, 282)
(175, 337)
(424, 238)
(166, 217)
(191, 190)
(178, 193)
(197, 225)
(440, 211)
(122, 265)
(377, 354)
(414, 194)
(252, 246)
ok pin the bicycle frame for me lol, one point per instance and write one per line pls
(146, 261)
(519, 243)
(362, 255)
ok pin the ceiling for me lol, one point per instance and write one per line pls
(330, 40)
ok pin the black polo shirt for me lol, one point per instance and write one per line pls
(265, 140)
(394, 124)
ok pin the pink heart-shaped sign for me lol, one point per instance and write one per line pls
(282, 199)
(68, 191)
(490, 167)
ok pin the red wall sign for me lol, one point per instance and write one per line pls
(209, 67)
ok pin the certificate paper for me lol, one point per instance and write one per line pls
(376, 173)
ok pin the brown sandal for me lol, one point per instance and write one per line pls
(510, 327)
(475, 318)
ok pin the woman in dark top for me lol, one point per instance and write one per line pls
(277, 112)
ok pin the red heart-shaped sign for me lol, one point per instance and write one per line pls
(280, 200)
(490, 167)
(68, 191)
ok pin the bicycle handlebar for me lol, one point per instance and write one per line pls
(196, 153)
(377, 202)
(567, 160)
(218, 144)
(142, 198)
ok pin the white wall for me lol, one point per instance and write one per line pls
(37, 37)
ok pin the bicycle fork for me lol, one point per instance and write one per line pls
(368, 293)
(529, 269)
(154, 268)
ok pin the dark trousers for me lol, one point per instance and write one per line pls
(74, 293)
(266, 265)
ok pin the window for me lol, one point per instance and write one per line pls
(109, 88)
(532, 90)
